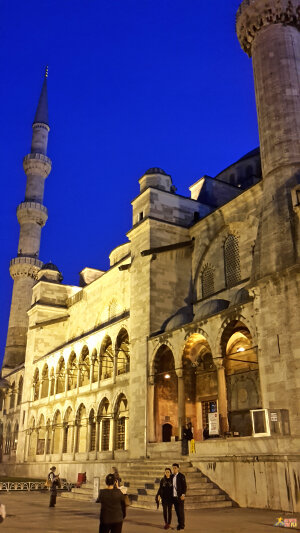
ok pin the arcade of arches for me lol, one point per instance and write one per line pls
(227, 384)
(82, 432)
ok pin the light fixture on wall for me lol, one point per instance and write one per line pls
(167, 376)
(241, 349)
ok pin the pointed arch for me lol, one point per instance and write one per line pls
(36, 384)
(106, 358)
(60, 375)
(122, 352)
(45, 381)
(84, 367)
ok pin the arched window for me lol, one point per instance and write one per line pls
(122, 352)
(36, 385)
(12, 396)
(60, 376)
(8, 440)
(81, 423)
(104, 418)
(232, 261)
(95, 362)
(72, 372)
(56, 427)
(41, 436)
(121, 417)
(106, 359)
(92, 424)
(15, 436)
(67, 434)
(45, 382)
(207, 282)
(52, 383)
(84, 367)
(20, 391)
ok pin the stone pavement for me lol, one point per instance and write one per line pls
(29, 512)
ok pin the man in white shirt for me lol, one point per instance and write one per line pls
(179, 492)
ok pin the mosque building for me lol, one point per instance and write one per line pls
(196, 320)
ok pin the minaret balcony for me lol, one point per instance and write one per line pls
(32, 212)
(21, 267)
(37, 165)
(252, 15)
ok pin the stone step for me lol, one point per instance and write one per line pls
(209, 489)
(77, 496)
(187, 505)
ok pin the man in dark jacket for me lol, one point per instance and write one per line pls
(179, 492)
(113, 509)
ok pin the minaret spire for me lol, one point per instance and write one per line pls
(41, 114)
(32, 216)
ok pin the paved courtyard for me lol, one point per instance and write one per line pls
(29, 512)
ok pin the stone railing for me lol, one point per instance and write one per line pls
(39, 157)
(33, 205)
(9, 486)
(252, 15)
(26, 260)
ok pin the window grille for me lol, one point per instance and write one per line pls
(105, 434)
(65, 441)
(208, 285)
(121, 433)
(232, 261)
(12, 398)
(20, 391)
(93, 436)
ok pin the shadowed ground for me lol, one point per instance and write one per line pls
(29, 512)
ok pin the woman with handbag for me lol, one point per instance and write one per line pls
(54, 482)
(165, 494)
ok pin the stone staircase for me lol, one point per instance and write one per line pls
(142, 482)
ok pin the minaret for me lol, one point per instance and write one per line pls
(268, 30)
(32, 216)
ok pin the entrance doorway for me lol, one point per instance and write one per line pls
(167, 432)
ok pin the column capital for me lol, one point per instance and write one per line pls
(179, 372)
(253, 15)
(219, 363)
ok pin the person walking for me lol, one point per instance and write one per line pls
(179, 492)
(113, 507)
(165, 494)
(55, 483)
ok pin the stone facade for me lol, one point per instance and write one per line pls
(195, 321)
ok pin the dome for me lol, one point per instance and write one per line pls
(212, 307)
(50, 266)
(155, 170)
(181, 317)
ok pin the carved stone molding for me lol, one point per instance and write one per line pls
(253, 15)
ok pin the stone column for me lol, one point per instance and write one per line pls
(222, 396)
(97, 434)
(181, 401)
(112, 434)
(46, 441)
(75, 437)
(88, 436)
(151, 421)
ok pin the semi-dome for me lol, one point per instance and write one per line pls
(184, 315)
(212, 307)
(155, 170)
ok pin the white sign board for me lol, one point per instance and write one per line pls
(213, 423)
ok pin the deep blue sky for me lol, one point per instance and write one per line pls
(132, 84)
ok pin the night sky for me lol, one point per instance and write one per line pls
(132, 84)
